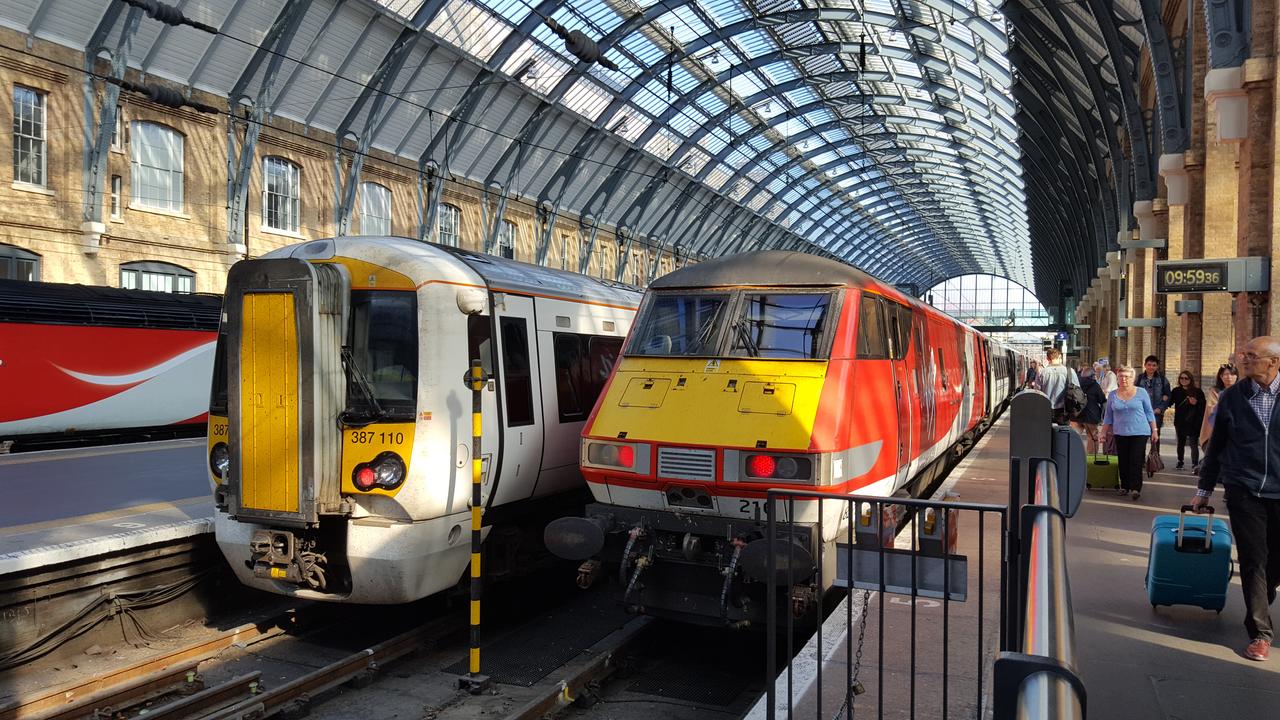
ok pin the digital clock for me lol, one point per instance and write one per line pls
(1187, 277)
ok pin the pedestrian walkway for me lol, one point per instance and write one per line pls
(1143, 664)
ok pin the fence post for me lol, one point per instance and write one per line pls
(1030, 439)
(473, 681)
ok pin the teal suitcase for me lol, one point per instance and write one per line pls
(1189, 561)
(1102, 472)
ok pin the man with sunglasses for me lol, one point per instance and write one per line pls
(1245, 459)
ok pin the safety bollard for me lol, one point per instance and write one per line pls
(473, 680)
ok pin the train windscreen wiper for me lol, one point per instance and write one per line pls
(356, 376)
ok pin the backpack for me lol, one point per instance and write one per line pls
(1073, 401)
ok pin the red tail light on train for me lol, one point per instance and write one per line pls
(790, 468)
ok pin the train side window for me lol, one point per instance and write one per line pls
(218, 397)
(873, 340)
(480, 342)
(942, 370)
(899, 331)
(570, 377)
(517, 382)
(583, 364)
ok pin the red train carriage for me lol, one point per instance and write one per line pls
(81, 363)
(756, 371)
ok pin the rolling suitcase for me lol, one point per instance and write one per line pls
(1187, 565)
(1102, 472)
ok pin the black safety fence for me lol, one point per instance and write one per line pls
(947, 609)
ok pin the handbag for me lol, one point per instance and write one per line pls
(1154, 463)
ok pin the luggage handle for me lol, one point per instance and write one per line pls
(1208, 526)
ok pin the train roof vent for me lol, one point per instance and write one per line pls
(61, 304)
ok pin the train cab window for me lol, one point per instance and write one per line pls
(517, 380)
(583, 364)
(384, 347)
(781, 326)
(218, 397)
(899, 330)
(679, 325)
(480, 342)
(873, 337)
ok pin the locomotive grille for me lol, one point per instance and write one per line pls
(686, 463)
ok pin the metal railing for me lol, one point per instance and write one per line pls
(912, 564)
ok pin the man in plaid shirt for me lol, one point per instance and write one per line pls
(1243, 456)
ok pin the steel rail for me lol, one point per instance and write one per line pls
(133, 683)
(296, 694)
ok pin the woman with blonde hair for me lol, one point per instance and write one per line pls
(1130, 419)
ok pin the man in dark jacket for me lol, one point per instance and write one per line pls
(1243, 458)
(1157, 387)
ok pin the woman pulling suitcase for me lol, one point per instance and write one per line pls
(1131, 421)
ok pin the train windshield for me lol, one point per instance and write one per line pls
(680, 324)
(384, 353)
(783, 326)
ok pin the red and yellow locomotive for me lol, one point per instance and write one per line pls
(767, 369)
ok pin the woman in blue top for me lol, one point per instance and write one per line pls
(1130, 420)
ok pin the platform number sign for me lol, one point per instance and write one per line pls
(1186, 277)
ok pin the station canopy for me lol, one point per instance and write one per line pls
(879, 132)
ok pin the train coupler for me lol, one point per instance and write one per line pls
(280, 555)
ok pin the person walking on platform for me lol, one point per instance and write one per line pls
(1031, 375)
(1105, 377)
(1188, 415)
(1243, 458)
(1226, 378)
(1091, 416)
(1131, 421)
(1053, 381)
(1157, 387)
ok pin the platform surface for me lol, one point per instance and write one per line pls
(65, 505)
(1137, 664)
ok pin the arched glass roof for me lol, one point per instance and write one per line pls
(992, 302)
(880, 130)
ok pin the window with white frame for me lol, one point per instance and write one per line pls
(280, 194)
(507, 240)
(18, 264)
(375, 209)
(117, 183)
(29, 151)
(157, 277)
(157, 166)
(117, 133)
(450, 225)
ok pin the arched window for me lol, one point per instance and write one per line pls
(281, 194)
(157, 277)
(18, 264)
(507, 240)
(157, 166)
(450, 226)
(375, 209)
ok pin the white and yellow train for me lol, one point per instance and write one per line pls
(340, 425)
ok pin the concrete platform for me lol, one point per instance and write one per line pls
(65, 505)
(1137, 664)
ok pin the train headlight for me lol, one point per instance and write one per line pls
(789, 468)
(387, 471)
(611, 455)
(220, 460)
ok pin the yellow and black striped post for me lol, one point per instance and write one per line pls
(474, 681)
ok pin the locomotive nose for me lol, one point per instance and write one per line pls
(576, 538)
